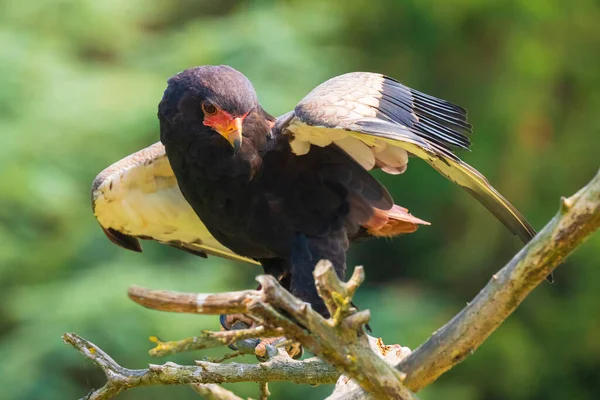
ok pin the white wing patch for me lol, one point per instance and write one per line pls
(359, 151)
(138, 196)
(368, 151)
(336, 100)
(379, 122)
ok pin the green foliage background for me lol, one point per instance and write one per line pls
(79, 85)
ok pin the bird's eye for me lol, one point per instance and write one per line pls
(208, 108)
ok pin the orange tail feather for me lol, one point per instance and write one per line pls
(392, 222)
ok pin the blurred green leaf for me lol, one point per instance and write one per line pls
(79, 85)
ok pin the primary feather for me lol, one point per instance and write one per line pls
(369, 114)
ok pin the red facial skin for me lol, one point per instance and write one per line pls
(227, 126)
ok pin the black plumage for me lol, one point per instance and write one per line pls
(287, 207)
(237, 183)
(264, 202)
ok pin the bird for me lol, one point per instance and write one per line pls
(228, 179)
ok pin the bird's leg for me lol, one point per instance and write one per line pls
(277, 267)
(239, 321)
(236, 321)
(273, 267)
(258, 346)
(306, 253)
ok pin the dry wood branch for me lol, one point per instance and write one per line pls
(347, 349)
(577, 219)
(337, 294)
(263, 393)
(217, 303)
(340, 341)
(212, 391)
(346, 388)
(208, 339)
(279, 368)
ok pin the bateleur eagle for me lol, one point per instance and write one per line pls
(284, 192)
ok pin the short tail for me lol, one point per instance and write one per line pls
(392, 222)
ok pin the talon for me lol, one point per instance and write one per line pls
(235, 322)
(294, 349)
(261, 349)
(257, 346)
(223, 321)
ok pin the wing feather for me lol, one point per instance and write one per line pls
(138, 197)
(382, 113)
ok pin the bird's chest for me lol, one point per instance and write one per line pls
(233, 207)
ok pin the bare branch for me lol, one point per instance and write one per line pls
(348, 389)
(337, 294)
(211, 303)
(279, 368)
(208, 339)
(577, 219)
(340, 342)
(347, 349)
(116, 380)
(264, 393)
(212, 391)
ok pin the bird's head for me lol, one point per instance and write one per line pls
(211, 101)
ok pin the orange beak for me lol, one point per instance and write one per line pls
(229, 128)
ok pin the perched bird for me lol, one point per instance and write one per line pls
(284, 192)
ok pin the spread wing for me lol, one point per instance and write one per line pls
(138, 198)
(379, 122)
